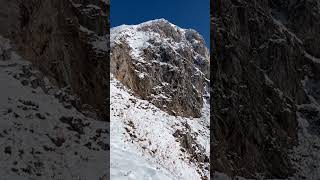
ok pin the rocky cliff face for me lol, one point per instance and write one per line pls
(42, 135)
(54, 80)
(174, 146)
(264, 53)
(68, 41)
(159, 102)
(163, 64)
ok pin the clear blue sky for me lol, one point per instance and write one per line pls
(184, 13)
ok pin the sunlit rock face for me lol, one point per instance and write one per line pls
(162, 63)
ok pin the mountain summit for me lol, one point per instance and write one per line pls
(162, 63)
(159, 102)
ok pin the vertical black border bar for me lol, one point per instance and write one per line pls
(108, 88)
(212, 65)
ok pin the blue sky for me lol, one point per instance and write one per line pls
(184, 13)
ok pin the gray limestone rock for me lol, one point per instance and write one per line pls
(162, 63)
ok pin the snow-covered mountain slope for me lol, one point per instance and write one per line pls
(159, 110)
(42, 136)
(154, 143)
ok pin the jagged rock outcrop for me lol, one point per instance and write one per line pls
(261, 52)
(69, 42)
(163, 64)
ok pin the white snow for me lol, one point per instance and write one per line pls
(136, 39)
(139, 39)
(33, 154)
(93, 6)
(283, 28)
(86, 30)
(146, 133)
(101, 43)
(312, 58)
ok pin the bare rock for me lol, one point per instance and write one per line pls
(261, 52)
(163, 64)
(71, 48)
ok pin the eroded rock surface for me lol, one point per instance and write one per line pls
(68, 41)
(163, 64)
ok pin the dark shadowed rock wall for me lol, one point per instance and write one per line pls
(69, 42)
(260, 53)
